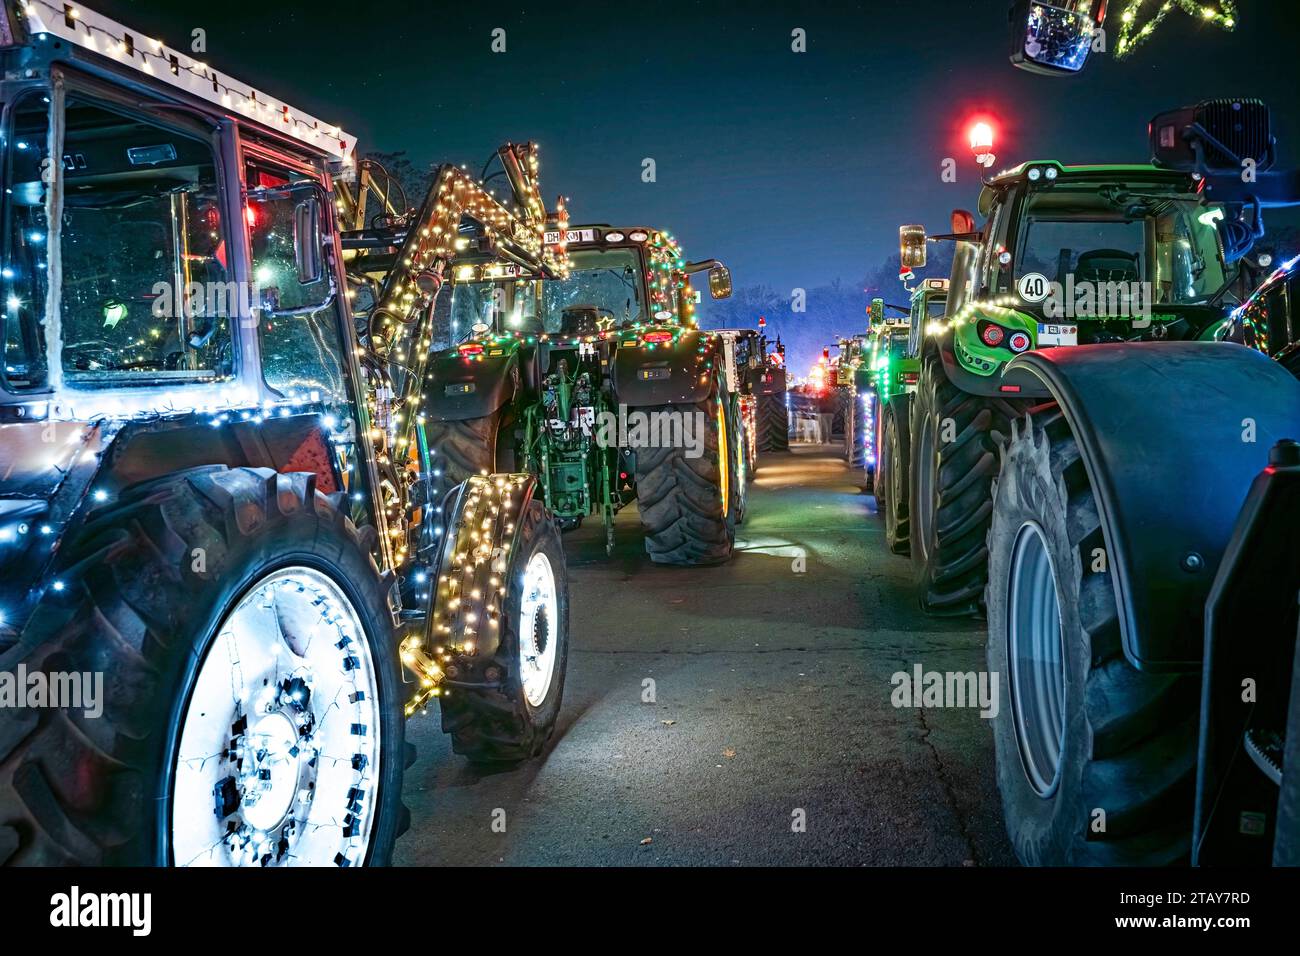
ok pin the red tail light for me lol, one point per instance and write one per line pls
(471, 348)
(992, 335)
(1018, 342)
(658, 337)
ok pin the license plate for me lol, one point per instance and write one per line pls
(1049, 334)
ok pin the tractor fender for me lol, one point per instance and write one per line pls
(463, 386)
(1172, 434)
(677, 372)
(465, 537)
(1012, 383)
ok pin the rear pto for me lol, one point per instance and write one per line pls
(600, 384)
(215, 491)
(1135, 496)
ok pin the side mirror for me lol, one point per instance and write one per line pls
(307, 241)
(911, 246)
(1054, 38)
(720, 282)
(962, 222)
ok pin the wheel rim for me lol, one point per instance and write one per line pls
(724, 464)
(925, 483)
(279, 748)
(1035, 650)
(538, 634)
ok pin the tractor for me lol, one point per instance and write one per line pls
(1143, 568)
(601, 385)
(895, 369)
(1068, 255)
(215, 485)
(757, 378)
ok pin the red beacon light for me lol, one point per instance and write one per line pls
(981, 142)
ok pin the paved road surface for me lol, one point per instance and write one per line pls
(772, 695)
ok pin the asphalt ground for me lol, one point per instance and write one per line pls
(771, 738)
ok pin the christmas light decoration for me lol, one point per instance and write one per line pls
(90, 30)
(1134, 31)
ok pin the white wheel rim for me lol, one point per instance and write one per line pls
(538, 632)
(274, 679)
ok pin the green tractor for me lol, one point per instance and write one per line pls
(1142, 561)
(1067, 256)
(601, 385)
(896, 366)
(863, 365)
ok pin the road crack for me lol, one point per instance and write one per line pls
(949, 793)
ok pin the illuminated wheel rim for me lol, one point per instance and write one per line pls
(1036, 652)
(538, 634)
(278, 760)
(724, 463)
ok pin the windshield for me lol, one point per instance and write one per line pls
(502, 305)
(1166, 246)
(609, 279)
(144, 294)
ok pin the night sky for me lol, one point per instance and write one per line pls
(795, 168)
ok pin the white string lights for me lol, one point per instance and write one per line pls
(91, 31)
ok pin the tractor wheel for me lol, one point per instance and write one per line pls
(688, 504)
(773, 423)
(892, 474)
(474, 446)
(1095, 759)
(859, 433)
(252, 704)
(740, 455)
(500, 703)
(749, 417)
(954, 448)
(841, 411)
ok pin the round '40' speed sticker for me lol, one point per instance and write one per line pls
(1033, 287)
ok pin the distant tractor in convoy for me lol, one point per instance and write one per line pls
(602, 386)
(896, 368)
(771, 400)
(212, 497)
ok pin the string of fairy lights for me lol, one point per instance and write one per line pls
(1134, 30)
(152, 56)
(471, 589)
(401, 326)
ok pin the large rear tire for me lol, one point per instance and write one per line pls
(500, 702)
(197, 597)
(858, 435)
(892, 476)
(773, 422)
(1095, 759)
(954, 449)
(688, 505)
(474, 446)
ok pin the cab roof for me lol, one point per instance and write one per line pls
(35, 22)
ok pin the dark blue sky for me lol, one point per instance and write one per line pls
(794, 168)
